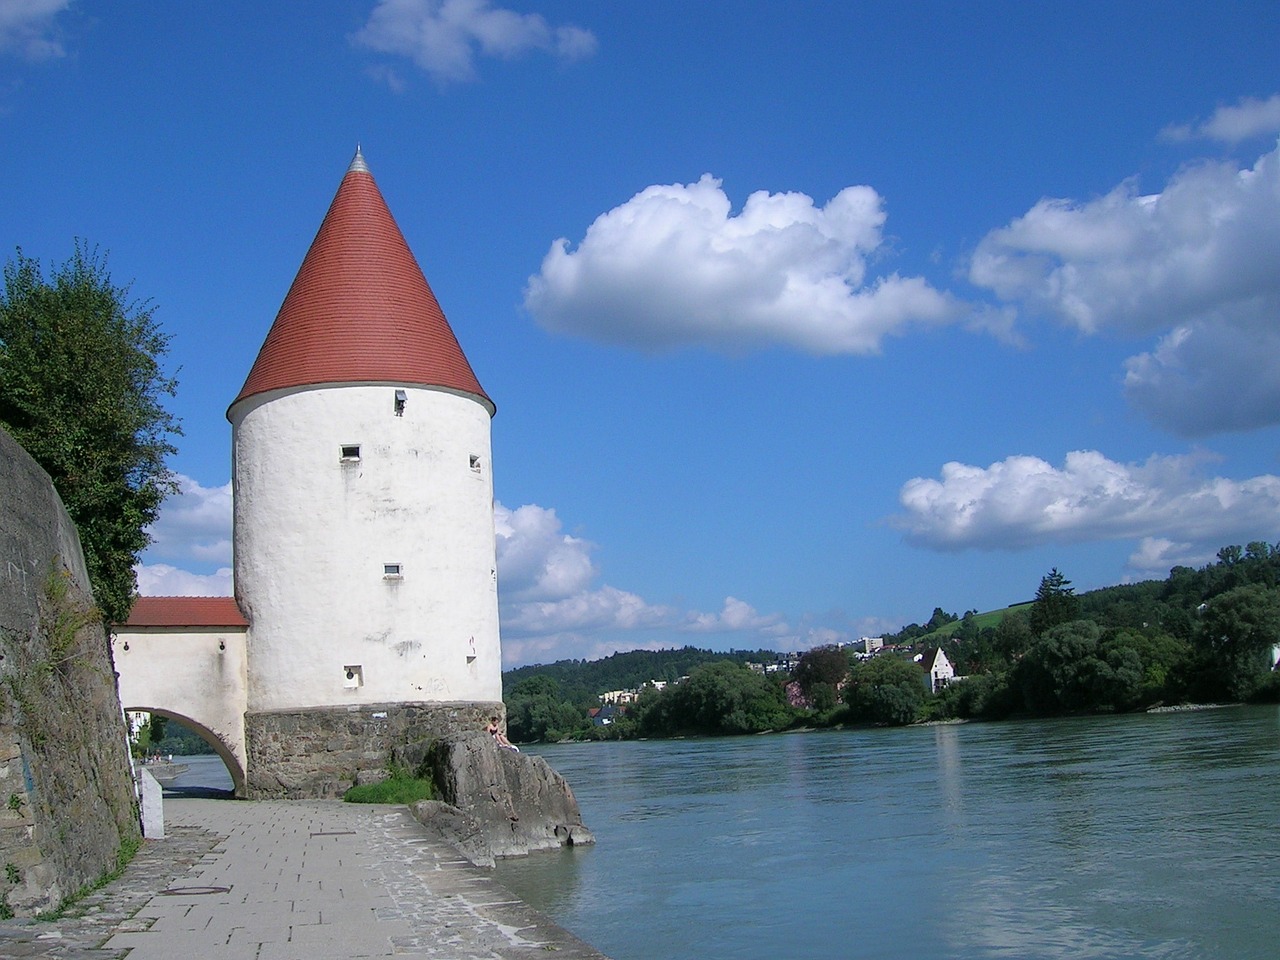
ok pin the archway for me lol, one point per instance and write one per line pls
(224, 750)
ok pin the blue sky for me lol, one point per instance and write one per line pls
(801, 318)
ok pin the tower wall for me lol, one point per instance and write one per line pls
(334, 487)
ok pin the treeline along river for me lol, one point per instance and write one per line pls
(1154, 836)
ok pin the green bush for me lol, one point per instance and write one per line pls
(400, 787)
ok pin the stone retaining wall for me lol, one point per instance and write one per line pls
(67, 802)
(320, 753)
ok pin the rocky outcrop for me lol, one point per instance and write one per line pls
(494, 802)
(67, 805)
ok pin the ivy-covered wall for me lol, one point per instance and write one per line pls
(67, 805)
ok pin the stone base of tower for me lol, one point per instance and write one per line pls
(319, 753)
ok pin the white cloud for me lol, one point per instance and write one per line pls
(27, 26)
(736, 615)
(194, 525)
(1195, 263)
(163, 580)
(1024, 501)
(602, 608)
(536, 559)
(443, 36)
(1250, 117)
(673, 266)
(551, 598)
(1156, 556)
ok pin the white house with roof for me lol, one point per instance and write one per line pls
(938, 671)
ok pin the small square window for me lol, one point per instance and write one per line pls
(352, 676)
(350, 451)
(475, 463)
(392, 571)
(401, 399)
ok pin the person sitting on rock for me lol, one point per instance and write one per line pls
(499, 737)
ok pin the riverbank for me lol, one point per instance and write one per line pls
(288, 880)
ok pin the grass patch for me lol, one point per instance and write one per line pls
(982, 620)
(400, 787)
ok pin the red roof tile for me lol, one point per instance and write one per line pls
(360, 309)
(185, 612)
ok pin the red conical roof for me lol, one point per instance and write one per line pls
(360, 310)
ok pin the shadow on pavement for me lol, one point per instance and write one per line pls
(198, 793)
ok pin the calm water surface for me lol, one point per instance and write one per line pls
(206, 774)
(1134, 836)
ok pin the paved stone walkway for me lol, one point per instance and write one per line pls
(295, 880)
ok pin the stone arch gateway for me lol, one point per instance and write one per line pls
(185, 658)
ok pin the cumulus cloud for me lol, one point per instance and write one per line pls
(27, 27)
(736, 615)
(194, 525)
(443, 36)
(673, 266)
(1250, 117)
(1194, 264)
(1024, 501)
(536, 558)
(1156, 556)
(164, 580)
(553, 605)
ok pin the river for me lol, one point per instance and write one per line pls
(1151, 836)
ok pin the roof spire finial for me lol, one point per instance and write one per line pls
(357, 162)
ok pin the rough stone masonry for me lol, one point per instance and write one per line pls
(67, 803)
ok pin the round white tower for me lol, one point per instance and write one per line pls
(364, 539)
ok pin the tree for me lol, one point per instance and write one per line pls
(717, 698)
(939, 619)
(536, 711)
(1055, 602)
(1012, 635)
(81, 389)
(826, 666)
(1240, 628)
(1162, 655)
(885, 689)
(1072, 668)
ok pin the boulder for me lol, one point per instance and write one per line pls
(506, 803)
(463, 831)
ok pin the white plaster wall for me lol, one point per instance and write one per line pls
(313, 532)
(198, 674)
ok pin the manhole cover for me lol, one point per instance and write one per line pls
(192, 891)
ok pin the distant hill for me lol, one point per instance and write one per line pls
(982, 620)
(1167, 605)
(582, 681)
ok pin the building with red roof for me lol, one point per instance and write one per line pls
(365, 566)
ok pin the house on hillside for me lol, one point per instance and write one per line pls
(938, 671)
(603, 716)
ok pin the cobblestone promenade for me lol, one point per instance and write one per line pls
(295, 880)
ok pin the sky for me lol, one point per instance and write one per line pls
(801, 318)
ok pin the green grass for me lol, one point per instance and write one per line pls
(398, 788)
(983, 620)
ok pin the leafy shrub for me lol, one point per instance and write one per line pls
(401, 787)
